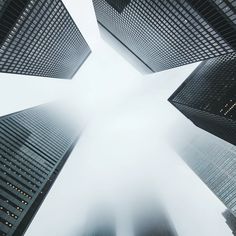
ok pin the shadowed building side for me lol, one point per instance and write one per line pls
(167, 34)
(207, 97)
(128, 55)
(34, 145)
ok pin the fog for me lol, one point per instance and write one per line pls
(124, 153)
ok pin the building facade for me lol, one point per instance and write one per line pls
(167, 34)
(40, 38)
(207, 97)
(230, 221)
(214, 161)
(34, 145)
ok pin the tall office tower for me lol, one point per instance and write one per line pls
(40, 38)
(100, 223)
(207, 97)
(34, 145)
(100, 229)
(230, 220)
(167, 34)
(214, 161)
(152, 220)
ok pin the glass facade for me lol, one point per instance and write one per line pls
(40, 38)
(208, 98)
(34, 146)
(118, 5)
(167, 34)
(214, 161)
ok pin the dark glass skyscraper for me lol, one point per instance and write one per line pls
(167, 34)
(208, 97)
(214, 161)
(34, 145)
(40, 38)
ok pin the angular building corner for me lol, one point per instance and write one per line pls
(34, 146)
(40, 38)
(168, 34)
(208, 97)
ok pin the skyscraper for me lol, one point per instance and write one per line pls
(167, 34)
(34, 145)
(207, 97)
(230, 220)
(153, 220)
(40, 38)
(100, 225)
(214, 161)
(100, 230)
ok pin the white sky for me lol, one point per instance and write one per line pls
(123, 153)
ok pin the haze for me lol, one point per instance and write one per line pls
(123, 153)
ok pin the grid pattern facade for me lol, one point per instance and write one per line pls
(2, 4)
(214, 161)
(40, 38)
(208, 97)
(34, 145)
(228, 8)
(166, 34)
(118, 5)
